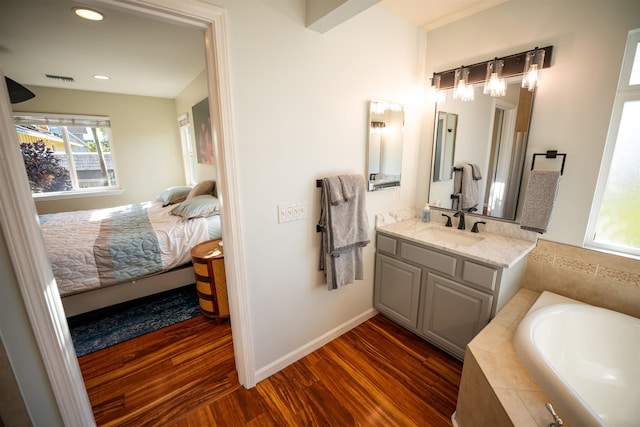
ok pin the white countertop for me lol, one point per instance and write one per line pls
(494, 249)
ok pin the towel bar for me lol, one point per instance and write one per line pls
(550, 154)
(319, 185)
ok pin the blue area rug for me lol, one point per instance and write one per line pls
(102, 328)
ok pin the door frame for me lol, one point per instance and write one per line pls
(19, 220)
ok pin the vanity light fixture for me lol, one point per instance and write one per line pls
(435, 94)
(462, 89)
(503, 67)
(533, 63)
(89, 14)
(495, 84)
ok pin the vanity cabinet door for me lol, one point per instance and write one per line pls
(454, 313)
(397, 290)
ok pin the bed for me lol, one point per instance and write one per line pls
(103, 257)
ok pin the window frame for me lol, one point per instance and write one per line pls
(625, 93)
(188, 150)
(66, 120)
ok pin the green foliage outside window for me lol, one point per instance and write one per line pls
(44, 171)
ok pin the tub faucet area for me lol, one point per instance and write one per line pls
(557, 421)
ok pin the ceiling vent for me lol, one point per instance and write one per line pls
(63, 78)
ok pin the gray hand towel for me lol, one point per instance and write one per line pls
(469, 190)
(345, 229)
(476, 171)
(539, 199)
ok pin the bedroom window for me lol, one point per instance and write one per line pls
(613, 224)
(66, 154)
(188, 155)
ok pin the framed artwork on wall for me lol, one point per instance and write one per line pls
(203, 132)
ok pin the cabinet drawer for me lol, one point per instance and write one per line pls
(386, 244)
(479, 275)
(432, 259)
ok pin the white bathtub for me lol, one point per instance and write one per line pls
(586, 360)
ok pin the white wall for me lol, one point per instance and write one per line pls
(146, 142)
(300, 113)
(573, 106)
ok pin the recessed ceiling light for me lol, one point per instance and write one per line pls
(99, 77)
(90, 14)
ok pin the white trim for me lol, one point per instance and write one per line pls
(28, 254)
(312, 346)
(77, 194)
(20, 226)
(624, 93)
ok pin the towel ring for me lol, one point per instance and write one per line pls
(550, 154)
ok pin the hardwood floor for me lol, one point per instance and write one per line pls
(377, 374)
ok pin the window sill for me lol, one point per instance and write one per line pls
(613, 250)
(76, 194)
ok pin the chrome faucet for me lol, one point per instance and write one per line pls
(557, 421)
(461, 225)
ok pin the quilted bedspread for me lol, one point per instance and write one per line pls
(96, 248)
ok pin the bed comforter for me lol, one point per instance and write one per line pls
(96, 248)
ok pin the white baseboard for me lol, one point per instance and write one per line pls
(288, 359)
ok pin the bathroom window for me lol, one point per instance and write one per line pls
(614, 224)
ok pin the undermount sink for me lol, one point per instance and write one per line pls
(454, 237)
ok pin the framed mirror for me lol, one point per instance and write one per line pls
(384, 147)
(491, 137)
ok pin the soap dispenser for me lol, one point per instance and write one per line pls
(426, 213)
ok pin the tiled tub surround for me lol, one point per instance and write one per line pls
(597, 278)
(495, 388)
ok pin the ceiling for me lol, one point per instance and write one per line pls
(141, 56)
(431, 14)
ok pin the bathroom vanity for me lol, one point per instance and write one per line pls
(445, 284)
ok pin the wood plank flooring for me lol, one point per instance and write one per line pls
(377, 374)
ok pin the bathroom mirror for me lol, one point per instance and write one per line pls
(444, 145)
(384, 148)
(491, 133)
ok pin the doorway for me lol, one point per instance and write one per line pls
(28, 256)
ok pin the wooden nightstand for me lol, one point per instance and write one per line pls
(211, 282)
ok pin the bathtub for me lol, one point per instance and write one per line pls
(586, 359)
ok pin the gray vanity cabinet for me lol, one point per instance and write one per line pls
(397, 289)
(453, 313)
(443, 297)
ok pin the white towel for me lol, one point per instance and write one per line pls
(345, 228)
(539, 199)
